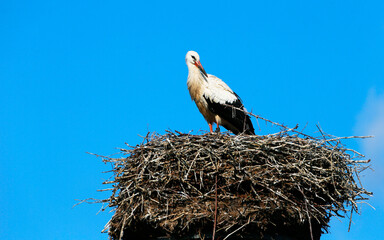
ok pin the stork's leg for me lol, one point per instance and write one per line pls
(217, 128)
(210, 127)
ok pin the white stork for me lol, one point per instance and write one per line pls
(215, 100)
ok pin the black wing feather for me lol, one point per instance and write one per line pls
(230, 111)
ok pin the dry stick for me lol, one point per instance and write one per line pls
(350, 220)
(249, 220)
(122, 228)
(309, 218)
(283, 126)
(307, 212)
(274, 123)
(215, 222)
(323, 135)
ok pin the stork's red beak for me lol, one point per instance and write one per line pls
(198, 65)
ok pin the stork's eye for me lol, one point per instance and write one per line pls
(193, 57)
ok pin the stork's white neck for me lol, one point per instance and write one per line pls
(194, 74)
(192, 67)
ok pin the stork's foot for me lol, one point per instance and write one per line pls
(217, 130)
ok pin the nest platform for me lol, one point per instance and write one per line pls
(278, 186)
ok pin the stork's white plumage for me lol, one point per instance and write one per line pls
(215, 100)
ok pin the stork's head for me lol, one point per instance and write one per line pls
(193, 61)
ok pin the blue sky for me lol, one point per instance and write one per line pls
(90, 76)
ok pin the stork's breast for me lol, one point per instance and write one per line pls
(195, 90)
(203, 108)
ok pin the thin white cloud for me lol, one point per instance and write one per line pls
(370, 121)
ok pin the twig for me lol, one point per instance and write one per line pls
(215, 221)
(238, 229)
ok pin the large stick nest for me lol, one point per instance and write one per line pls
(282, 184)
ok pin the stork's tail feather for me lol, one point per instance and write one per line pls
(248, 126)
